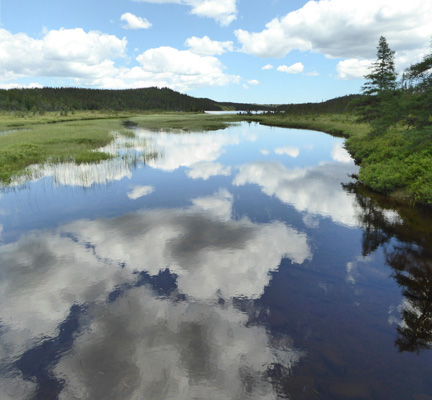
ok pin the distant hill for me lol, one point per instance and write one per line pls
(68, 99)
(336, 105)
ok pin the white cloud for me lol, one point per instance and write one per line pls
(344, 29)
(268, 66)
(20, 86)
(134, 22)
(290, 151)
(205, 170)
(182, 70)
(265, 152)
(60, 53)
(292, 69)
(206, 47)
(140, 191)
(89, 59)
(353, 68)
(223, 11)
(253, 82)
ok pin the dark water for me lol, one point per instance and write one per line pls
(236, 264)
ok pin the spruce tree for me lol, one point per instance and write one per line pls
(380, 103)
(383, 76)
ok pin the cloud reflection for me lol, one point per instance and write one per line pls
(315, 190)
(205, 170)
(173, 350)
(159, 344)
(140, 191)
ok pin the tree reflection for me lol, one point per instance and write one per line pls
(413, 272)
(410, 258)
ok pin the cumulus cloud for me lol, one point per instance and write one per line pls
(253, 82)
(223, 11)
(268, 66)
(292, 69)
(89, 60)
(206, 47)
(182, 70)
(353, 68)
(134, 22)
(343, 29)
(60, 53)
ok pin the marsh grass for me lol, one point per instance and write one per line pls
(189, 122)
(55, 137)
(43, 141)
(341, 125)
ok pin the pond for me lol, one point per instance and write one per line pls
(242, 263)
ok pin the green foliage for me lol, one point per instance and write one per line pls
(91, 157)
(397, 162)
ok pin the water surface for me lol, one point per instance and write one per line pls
(242, 263)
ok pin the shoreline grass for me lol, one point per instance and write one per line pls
(55, 137)
(397, 163)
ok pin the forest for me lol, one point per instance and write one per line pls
(68, 99)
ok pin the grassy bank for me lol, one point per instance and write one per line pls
(34, 139)
(27, 138)
(397, 163)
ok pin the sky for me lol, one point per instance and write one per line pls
(251, 51)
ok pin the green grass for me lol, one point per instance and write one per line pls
(42, 140)
(55, 137)
(190, 122)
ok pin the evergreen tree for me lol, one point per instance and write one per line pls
(383, 75)
(381, 103)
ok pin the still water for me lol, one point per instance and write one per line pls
(241, 263)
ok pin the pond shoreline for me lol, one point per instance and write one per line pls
(369, 153)
(48, 131)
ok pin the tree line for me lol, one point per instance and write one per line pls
(70, 99)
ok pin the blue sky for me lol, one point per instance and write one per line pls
(255, 51)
